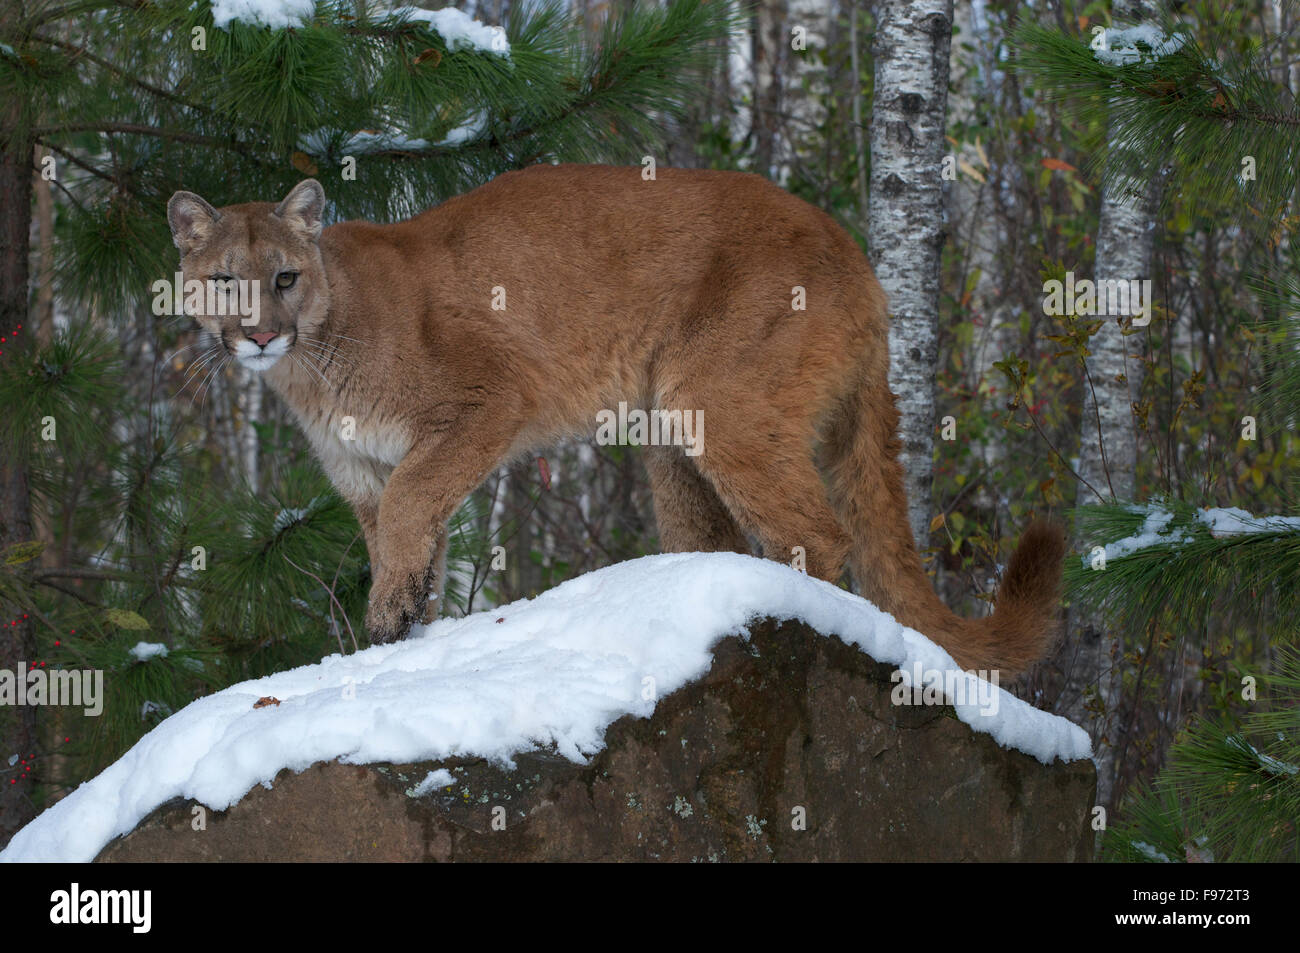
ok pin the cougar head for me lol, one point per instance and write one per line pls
(253, 273)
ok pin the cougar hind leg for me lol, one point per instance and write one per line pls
(691, 517)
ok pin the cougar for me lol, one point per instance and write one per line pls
(420, 356)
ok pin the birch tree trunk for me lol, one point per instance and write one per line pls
(737, 86)
(1108, 443)
(976, 228)
(248, 398)
(799, 145)
(905, 217)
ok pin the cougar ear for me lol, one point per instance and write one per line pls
(191, 220)
(303, 208)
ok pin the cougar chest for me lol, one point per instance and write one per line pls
(357, 451)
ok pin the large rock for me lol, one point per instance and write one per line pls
(787, 724)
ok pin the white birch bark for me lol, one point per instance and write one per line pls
(1288, 73)
(739, 85)
(905, 217)
(974, 226)
(804, 88)
(1108, 459)
(248, 399)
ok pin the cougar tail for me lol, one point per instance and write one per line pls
(866, 488)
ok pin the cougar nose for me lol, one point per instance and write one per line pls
(263, 338)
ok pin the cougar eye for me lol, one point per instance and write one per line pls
(285, 280)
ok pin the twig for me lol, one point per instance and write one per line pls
(334, 600)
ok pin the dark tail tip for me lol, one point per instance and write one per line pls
(1033, 578)
(1026, 620)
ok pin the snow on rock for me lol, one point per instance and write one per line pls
(432, 782)
(551, 671)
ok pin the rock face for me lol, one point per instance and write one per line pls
(790, 726)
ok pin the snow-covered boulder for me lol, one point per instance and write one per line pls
(644, 711)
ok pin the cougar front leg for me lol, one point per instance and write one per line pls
(366, 510)
(418, 501)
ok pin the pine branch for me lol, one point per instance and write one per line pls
(1231, 790)
(1195, 111)
(81, 52)
(137, 129)
(41, 17)
(1174, 563)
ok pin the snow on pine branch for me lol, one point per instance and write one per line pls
(366, 142)
(552, 672)
(1159, 528)
(276, 14)
(144, 651)
(1136, 44)
(458, 30)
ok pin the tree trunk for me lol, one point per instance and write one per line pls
(17, 723)
(248, 401)
(855, 94)
(44, 320)
(977, 229)
(1108, 460)
(768, 19)
(905, 217)
(45, 277)
(799, 145)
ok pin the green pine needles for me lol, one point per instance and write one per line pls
(1142, 562)
(1231, 789)
(147, 529)
(154, 97)
(1208, 597)
(1203, 110)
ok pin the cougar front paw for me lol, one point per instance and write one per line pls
(392, 611)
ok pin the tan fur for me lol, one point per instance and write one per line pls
(674, 293)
